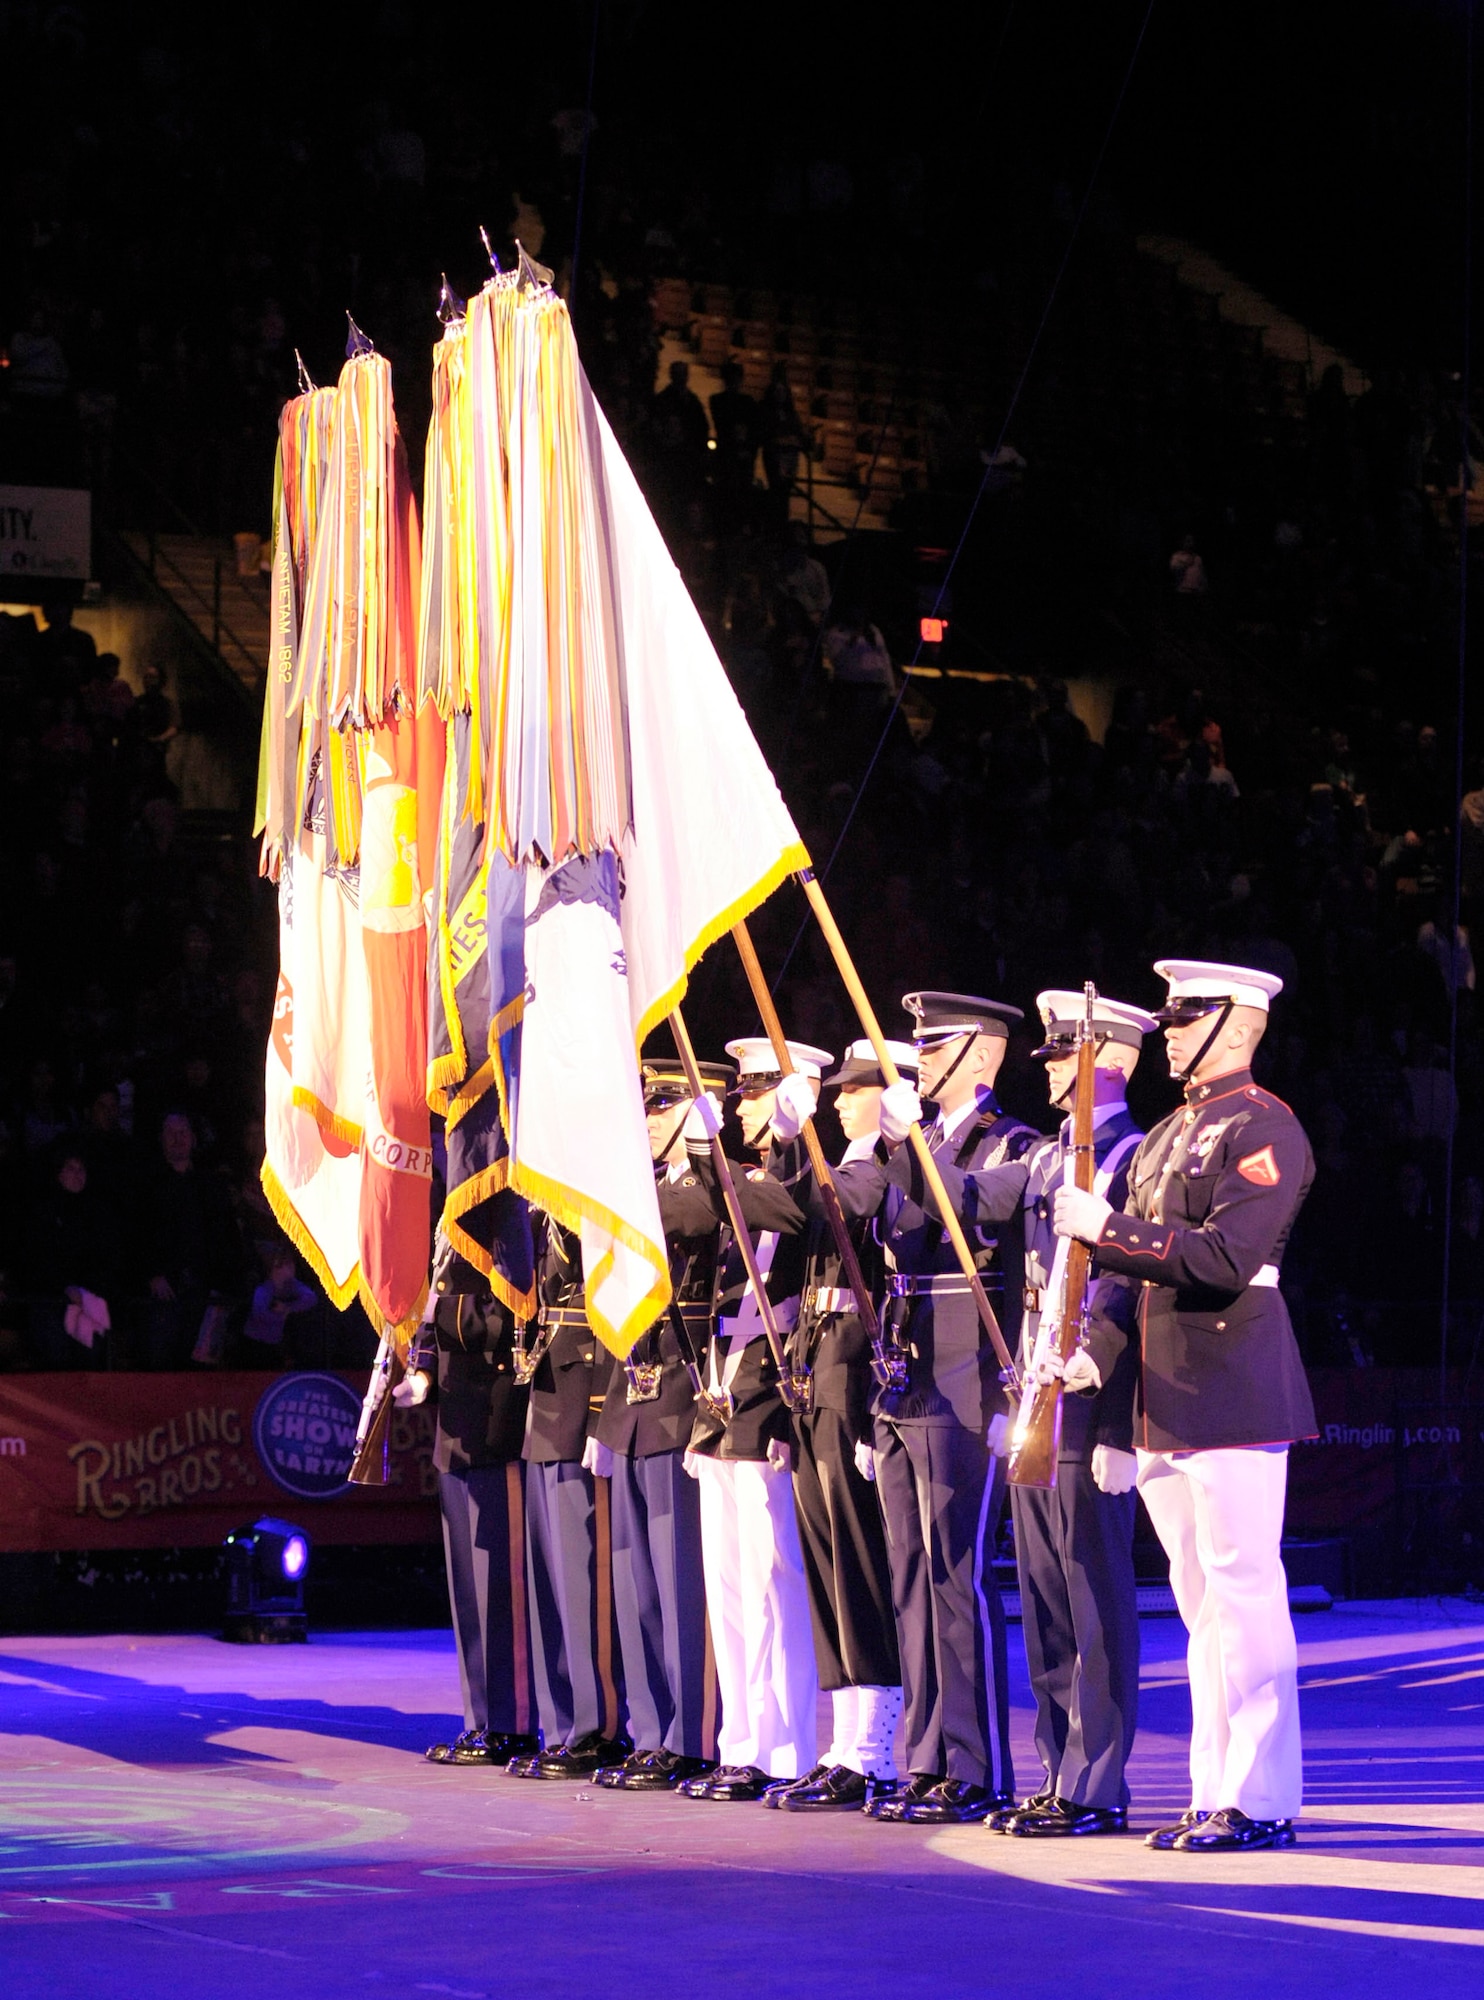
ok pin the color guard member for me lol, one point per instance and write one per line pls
(1074, 1543)
(1213, 1192)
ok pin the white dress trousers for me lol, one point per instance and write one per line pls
(757, 1605)
(1219, 1515)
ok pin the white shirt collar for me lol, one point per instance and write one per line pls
(860, 1149)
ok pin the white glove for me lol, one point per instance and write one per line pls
(702, 1121)
(997, 1437)
(901, 1109)
(780, 1455)
(412, 1390)
(690, 1464)
(1114, 1471)
(1080, 1213)
(865, 1461)
(597, 1459)
(1081, 1372)
(793, 1104)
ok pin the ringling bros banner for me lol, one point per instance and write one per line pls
(173, 1461)
(176, 1461)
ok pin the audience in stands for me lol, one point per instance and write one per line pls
(1271, 782)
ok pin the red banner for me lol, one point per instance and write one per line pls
(175, 1461)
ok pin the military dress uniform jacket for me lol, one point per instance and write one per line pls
(694, 1206)
(834, 1345)
(571, 1378)
(468, 1347)
(954, 1375)
(1213, 1192)
(642, 1430)
(1107, 1415)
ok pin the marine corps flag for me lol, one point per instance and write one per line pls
(610, 776)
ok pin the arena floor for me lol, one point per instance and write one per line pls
(184, 1818)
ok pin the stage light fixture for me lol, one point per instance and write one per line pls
(266, 1564)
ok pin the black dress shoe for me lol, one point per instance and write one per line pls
(951, 1802)
(1232, 1832)
(1164, 1837)
(838, 1790)
(653, 1771)
(1061, 1818)
(450, 1753)
(732, 1784)
(581, 1759)
(892, 1804)
(999, 1822)
(773, 1796)
(501, 1745)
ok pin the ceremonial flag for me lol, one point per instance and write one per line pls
(607, 763)
(348, 1166)
(476, 994)
(317, 1061)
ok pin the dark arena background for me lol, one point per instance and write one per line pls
(1066, 423)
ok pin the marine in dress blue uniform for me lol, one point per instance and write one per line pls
(1190, 1278)
(1074, 1544)
(941, 1487)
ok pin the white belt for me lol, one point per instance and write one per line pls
(831, 1299)
(1267, 1276)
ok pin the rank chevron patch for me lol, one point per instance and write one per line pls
(1260, 1168)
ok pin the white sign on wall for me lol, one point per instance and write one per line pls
(46, 532)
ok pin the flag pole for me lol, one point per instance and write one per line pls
(865, 1306)
(788, 1388)
(840, 952)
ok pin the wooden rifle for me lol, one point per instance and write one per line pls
(1035, 1442)
(371, 1464)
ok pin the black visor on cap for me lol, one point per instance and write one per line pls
(1057, 1043)
(660, 1096)
(1189, 1007)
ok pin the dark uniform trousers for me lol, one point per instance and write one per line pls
(845, 1556)
(569, 1574)
(481, 1497)
(669, 1676)
(483, 1549)
(1080, 1620)
(840, 1527)
(659, 1598)
(942, 1492)
(569, 1550)
(1074, 1544)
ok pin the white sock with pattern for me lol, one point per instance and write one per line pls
(879, 1710)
